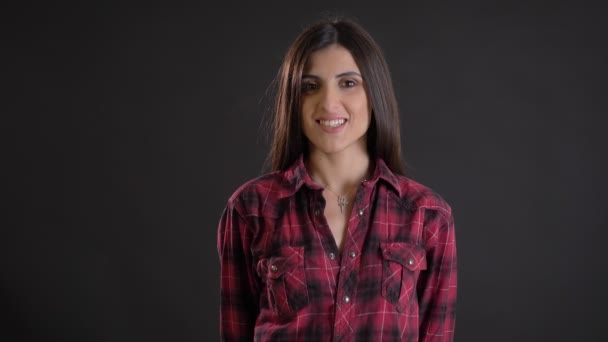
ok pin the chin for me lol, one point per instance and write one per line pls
(330, 148)
(338, 145)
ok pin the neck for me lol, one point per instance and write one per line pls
(340, 172)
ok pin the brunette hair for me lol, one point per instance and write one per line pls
(383, 137)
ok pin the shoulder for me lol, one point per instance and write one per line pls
(429, 208)
(415, 195)
(258, 196)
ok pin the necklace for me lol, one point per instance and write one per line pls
(342, 200)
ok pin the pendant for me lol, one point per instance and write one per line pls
(342, 202)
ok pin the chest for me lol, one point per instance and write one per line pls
(322, 230)
(337, 219)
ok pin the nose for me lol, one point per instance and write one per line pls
(330, 99)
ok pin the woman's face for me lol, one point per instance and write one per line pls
(335, 110)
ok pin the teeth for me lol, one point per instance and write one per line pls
(332, 123)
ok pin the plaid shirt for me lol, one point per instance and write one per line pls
(284, 279)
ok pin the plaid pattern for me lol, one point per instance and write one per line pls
(284, 279)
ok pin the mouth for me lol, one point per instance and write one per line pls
(332, 123)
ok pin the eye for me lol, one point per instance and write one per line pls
(309, 87)
(348, 83)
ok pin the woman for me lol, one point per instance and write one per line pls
(336, 244)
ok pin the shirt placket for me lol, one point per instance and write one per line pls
(348, 276)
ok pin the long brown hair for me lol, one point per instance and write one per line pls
(383, 135)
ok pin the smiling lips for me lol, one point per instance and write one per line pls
(332, 123)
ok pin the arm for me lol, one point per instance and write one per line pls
(437, 286)
(238, 308)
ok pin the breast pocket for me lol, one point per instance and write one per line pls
(401, 266)
(285, 278)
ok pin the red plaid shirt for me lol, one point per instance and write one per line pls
(284, 279)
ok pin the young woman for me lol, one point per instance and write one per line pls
(336, 244)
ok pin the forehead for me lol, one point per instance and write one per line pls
(332, 59)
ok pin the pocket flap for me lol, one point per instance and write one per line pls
(408, 255)
(282, 260)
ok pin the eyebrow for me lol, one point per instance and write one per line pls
(347, 73)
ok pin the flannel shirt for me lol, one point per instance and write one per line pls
(283, 277)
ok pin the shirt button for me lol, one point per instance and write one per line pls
(410, 262)
(332, 256)
(352, 254)
(317, 212)
(346, 299)
(274, 268)
(360, 212)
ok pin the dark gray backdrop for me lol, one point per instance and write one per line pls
(127, 128)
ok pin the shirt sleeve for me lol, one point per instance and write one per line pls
(437, 285)
(238, 308)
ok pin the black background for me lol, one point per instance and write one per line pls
(126, 129)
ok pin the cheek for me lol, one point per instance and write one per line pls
(366, 116)
(361, 107)
(360, 104)
(306, 113)
(306, 108)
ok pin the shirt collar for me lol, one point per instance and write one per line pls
(296, 176)
(382, 171)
